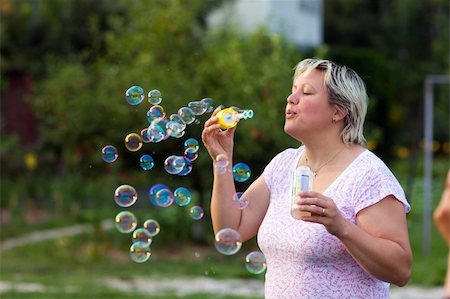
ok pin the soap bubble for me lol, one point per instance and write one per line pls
(140, 252)
(155, 112)
(228, 241)
(255, 262)
(154, 97)
(197, 107)
(125, 196)
(144, 135)
(125, 222)
(208, 103)
(152, 226)
(142, 235)
(196, 212)
(176, 125)
(164, 198)
(191, 156)
(191, 145)
(240, 201)
(187, 115)
(182, 196)
(174, 164)
(146, 161)
(187, 167)
(109, 154)
(134, 95)
(241, 172)
(221, 163)
(153, 191)
(133, 142)
(157, 131)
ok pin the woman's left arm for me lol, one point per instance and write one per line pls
(378, 241)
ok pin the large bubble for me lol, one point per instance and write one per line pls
(228, 241)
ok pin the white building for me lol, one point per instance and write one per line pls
(299, 21)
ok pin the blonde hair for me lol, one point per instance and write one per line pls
(346, 91)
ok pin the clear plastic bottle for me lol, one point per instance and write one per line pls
(302, 181)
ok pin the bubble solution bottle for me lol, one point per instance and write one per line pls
(302, 181)
(229, 117)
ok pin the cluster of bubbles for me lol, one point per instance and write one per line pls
(227, 241)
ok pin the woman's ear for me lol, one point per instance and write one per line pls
(339, 114)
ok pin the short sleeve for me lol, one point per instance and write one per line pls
(278, 166)
(376, 183)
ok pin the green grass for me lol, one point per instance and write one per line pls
(74, 267)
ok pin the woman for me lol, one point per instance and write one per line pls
(355, 241)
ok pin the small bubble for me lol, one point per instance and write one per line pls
(125, 195)
(140, 252)
(154, 97)
(109, 154)
(133, 142)
(196, 212)
(125, 222)
(134, 95)
(255, 262)
(241, 172)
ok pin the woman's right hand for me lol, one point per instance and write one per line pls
(216, 140)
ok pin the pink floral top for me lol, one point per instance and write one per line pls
(303, 259)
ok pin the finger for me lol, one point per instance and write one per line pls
(210, 121)
(315, 210)
(212, 129)
(316, 201)
(217, 110)
(231, 131)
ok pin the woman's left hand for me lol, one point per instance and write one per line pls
(323, 210)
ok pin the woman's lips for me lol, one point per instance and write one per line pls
(290, 114)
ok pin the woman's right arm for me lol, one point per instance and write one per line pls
(223, 213)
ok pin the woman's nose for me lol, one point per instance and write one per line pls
(293, 98)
